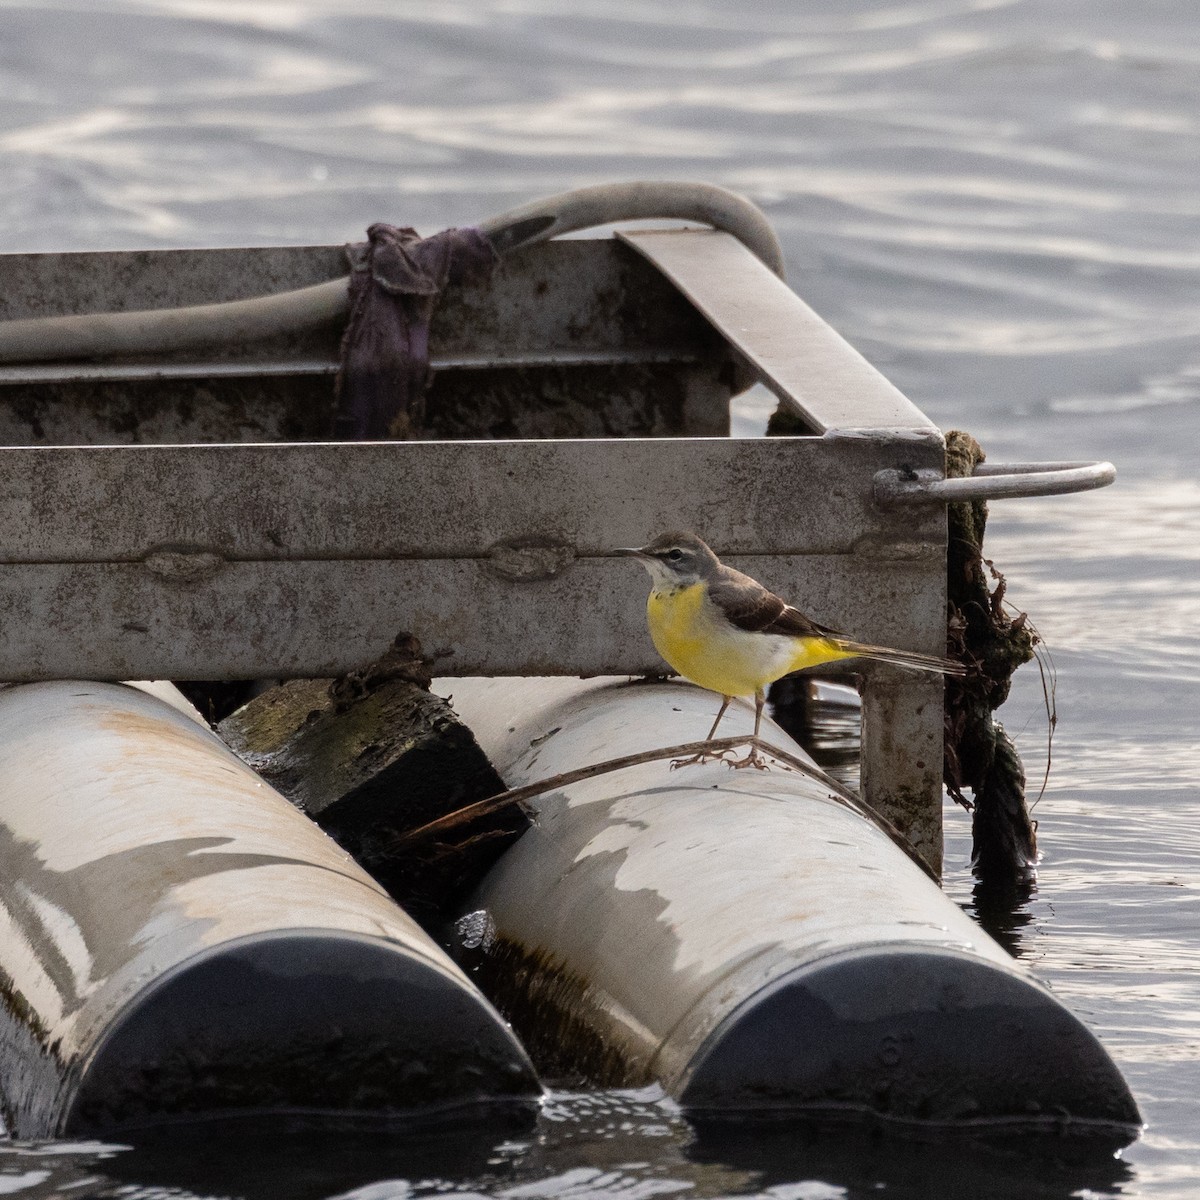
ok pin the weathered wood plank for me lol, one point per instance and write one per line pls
(322, 618)
(452, 500)
(375, 764)
(797, 355)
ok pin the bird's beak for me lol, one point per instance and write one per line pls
(629, 552)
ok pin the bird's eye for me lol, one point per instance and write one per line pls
(675, 555)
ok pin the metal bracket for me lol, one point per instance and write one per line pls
(991, 481)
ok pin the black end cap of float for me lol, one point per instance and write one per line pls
(913, 1036)
(300, 1022)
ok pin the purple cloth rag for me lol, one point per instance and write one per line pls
(396, 278)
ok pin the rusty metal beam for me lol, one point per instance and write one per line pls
(252, 561)
(567, 339)
(801, 358)
(446, 500)
(196, 619)
(566, 300)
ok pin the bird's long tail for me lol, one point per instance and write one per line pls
(902, 658)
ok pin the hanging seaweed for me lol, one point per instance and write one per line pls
(979, 754)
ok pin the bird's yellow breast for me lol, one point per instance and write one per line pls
(699, 642)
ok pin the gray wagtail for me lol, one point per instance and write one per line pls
(728, 633)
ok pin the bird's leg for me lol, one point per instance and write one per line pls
(712, 733)
(704, 755)
(753, 758)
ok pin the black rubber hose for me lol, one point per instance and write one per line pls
(163, 330)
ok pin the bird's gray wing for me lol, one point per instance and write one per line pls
(750, 606)
(795, 624)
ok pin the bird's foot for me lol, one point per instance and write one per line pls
(752, 759)
(703, 757)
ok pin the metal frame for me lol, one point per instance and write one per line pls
(210, 561)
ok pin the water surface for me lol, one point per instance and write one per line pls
(996, 200)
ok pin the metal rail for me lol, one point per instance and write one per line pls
(991, 481)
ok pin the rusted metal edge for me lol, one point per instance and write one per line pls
(801, 358)
(268, 620)
(252, 368)
(445, 500)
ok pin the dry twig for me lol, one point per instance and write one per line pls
(716, 747)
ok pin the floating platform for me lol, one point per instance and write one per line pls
(177, 940)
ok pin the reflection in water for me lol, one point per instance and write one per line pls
(851, 1163)
(587, 1146)
(1001, 906)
